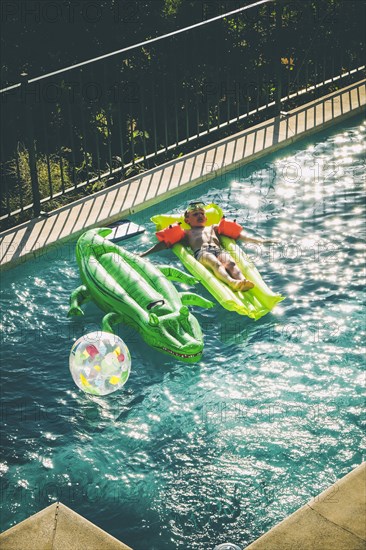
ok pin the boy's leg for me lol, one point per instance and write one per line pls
(210, 261)
(234, 271)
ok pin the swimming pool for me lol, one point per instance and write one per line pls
(187, 456)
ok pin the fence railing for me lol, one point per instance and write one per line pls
(75, 131)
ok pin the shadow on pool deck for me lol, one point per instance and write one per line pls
(33, 238)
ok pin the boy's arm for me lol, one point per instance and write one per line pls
(243, 237)
(160, 245)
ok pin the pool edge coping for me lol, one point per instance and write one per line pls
(58, 527)
(333, 515)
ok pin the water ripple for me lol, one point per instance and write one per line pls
(189, 456)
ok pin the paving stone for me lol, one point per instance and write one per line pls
(57, 527)
(345, 502)
(334, 520)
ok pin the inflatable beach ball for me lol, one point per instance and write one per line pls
(100, 363)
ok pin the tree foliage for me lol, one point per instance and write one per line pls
(112, 113)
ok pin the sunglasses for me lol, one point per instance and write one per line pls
(195, 206)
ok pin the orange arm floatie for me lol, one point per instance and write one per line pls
(171, 235)
(229, 228)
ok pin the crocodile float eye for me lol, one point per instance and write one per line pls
(153, 320)
(184, 311)
(157, 303)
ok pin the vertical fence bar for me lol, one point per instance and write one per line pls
(227, 99)
(237, 97)
(154, 114)
(218, 106)
(266, 93)
(61, 164)
(108, 116)
(132, 130)
(96, 131)
(197, 115)
(176, 106)
(267, 86)
(59, 146)
(70, 125)
(46, 148)
(306, 76)
(166, 93)
(186, 83)
(7, 198)
(62, 173)
(109, 136)
(247, 98)
(218, 89)
(19, 180)
(31, 148)
(165, 112)
(97, 147)
(217, 54)
(316, 51)
(207, 100)
(118, 98)
(4, 181)
(277, 55)
(186, 111)
(83, 131)
(173, 71)
(142, 109)
(341, 36)
(120, 133)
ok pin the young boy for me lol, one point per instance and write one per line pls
(204, 241)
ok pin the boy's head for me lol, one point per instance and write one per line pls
(195, 214)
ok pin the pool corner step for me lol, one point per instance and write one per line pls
(57, 527)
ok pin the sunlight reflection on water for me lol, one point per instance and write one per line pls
(271, 415)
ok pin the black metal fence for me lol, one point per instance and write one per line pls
(75, 131)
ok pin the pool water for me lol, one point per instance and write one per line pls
(188, 456)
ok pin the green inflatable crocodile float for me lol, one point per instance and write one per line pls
(131, 290)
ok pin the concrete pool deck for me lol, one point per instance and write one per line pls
(35, 237)
(334, 520)
(57, 527)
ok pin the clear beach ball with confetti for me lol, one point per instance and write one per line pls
(100, 363)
